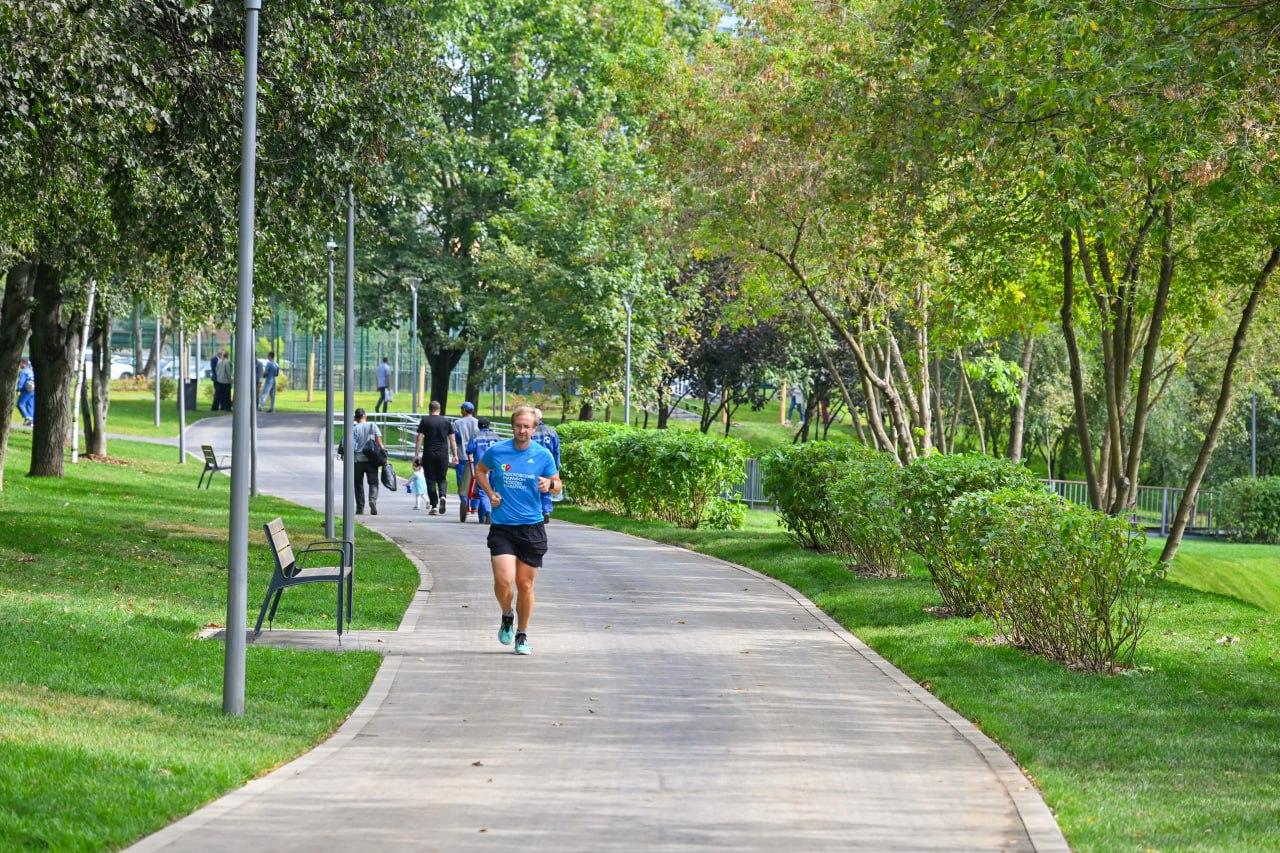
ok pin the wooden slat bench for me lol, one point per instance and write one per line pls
(291, 569)
(212, 465)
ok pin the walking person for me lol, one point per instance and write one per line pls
(366, 469)
(475, 450)
(525, 471)
(222, 380)
(797, 403)
(417, 485)
(26, 392)
(465, 428)
(213, 377)
(269, 374)
(384, 386)
(437, 450)
(546, 435)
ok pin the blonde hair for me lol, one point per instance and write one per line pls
(525, 410)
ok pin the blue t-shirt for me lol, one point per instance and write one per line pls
(514, 475)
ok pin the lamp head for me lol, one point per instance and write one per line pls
(628, 297)
(330, 246)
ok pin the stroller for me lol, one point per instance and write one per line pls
(476, 501)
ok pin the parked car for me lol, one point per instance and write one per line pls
(121, 366)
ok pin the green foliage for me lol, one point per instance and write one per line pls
(571, 431)
(664, 474)
(1057, 579)
(799, 479)
(929, 485)
(868, 523)
(724, 514)
(1250, 509)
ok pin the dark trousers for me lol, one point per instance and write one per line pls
(221, 397)
(383, 403)
(366, 471)
(435, 467)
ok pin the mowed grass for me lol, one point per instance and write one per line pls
(110, 709)
(1248, 572)
(1183, 753)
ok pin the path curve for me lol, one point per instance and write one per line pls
(673, 702)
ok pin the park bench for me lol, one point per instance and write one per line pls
(212, 465)
(291, 569)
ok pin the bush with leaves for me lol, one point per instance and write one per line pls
(798, 478)
(668, 474)
(1250, 509)
(571, 431)
(579, 464)
(928, 486)
(1057, 579)
(724, 514)
(868, 516)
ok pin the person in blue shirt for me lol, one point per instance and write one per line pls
(515, 474)
(384, 386)
(26, 392)
(475, 451)
(269, 374)
(547, 436)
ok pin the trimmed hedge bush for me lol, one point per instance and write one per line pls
(586, 430)
(1057, 579)
(799, 478)
(867, 529)
(927, 487)
(1250, 509)
(671, 475)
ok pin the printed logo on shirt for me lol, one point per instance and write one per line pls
(506, 466)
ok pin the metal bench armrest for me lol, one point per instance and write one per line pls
(340, 548)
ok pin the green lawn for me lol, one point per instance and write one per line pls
(1182, 753)
(1248, 572)
(110, 709)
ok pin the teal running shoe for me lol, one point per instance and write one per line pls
(507, 630)
(522, 645)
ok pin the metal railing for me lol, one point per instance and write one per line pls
(751, 490)
(400, 431)
(1154, 507)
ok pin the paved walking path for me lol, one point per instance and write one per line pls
(673, 702)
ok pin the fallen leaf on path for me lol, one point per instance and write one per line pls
(477, 764)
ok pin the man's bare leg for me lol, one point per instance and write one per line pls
(525, 576)
(504, 579)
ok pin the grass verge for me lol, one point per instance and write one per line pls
(110, 710)
(1182, 753)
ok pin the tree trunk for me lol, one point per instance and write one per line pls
(586, 412)
(94, 403)
(478, 354)
(1019, 418)
(1077, 374)
(973, 404)
(1183, 516)
(664, 408)
(442, 362)
(153, 355)
(55, 325)
(15, 328)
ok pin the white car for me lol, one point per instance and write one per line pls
(121, 365)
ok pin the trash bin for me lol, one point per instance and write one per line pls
(190, 394)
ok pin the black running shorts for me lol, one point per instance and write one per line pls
(527, 542)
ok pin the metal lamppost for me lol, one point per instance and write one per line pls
(329, 247)
(413, 285)
(155, 356)
(238, 548)
(182, 395)
(349, 380)
(628, 298)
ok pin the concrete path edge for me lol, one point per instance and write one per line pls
(1041, 826)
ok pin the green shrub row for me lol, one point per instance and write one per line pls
(1250, 509)
(671, 475)
(1056, 579)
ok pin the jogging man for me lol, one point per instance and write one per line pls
(384, 386)
(441, 451)
(547, 436)
(524, 473)
(475, 451)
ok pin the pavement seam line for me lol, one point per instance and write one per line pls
(1037, 819)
